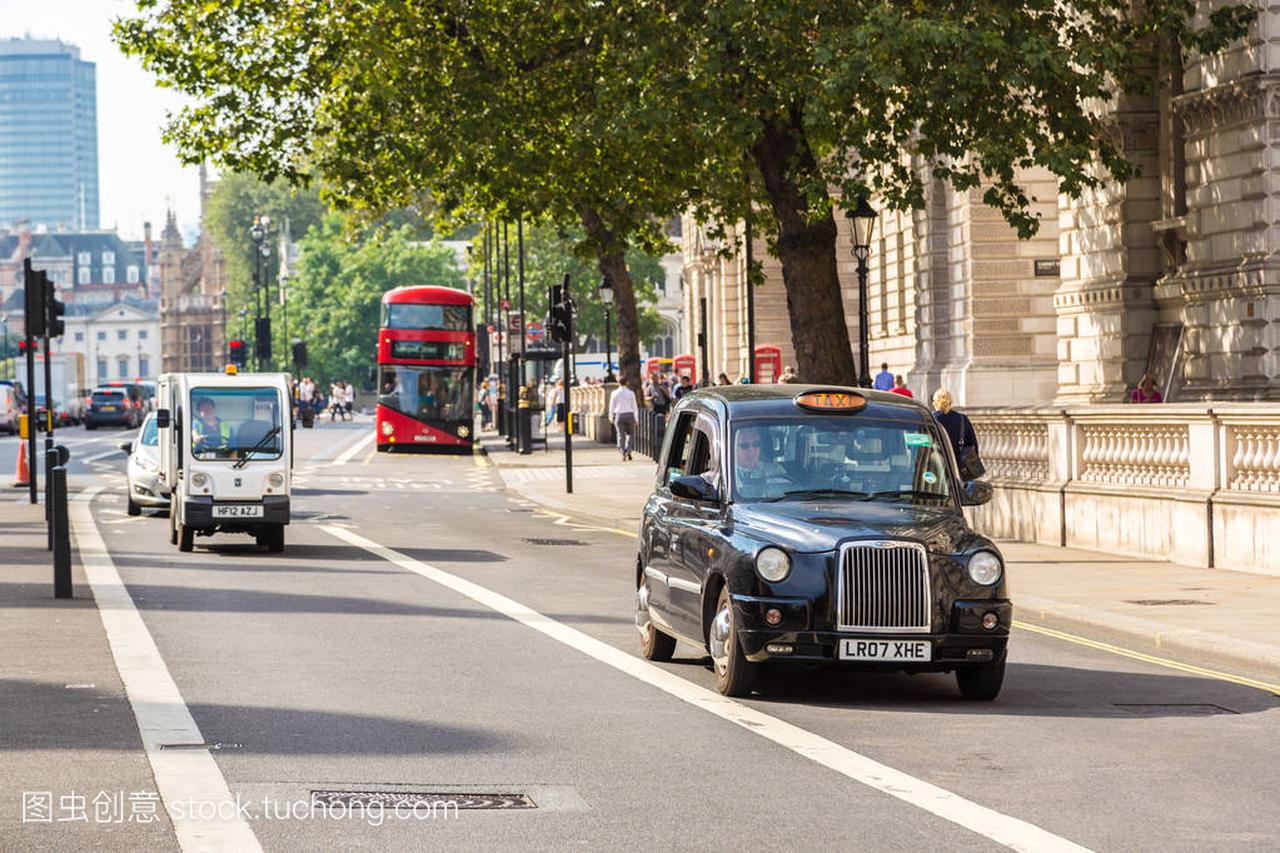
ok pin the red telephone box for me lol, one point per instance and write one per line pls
(768, 364)
(654, 366)
(686, 365)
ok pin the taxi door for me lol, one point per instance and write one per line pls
(695, 531)
(658, 551)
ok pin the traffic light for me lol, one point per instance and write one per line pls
(55, 308)
(235, 353)
(299, 354)
(560, 319)
(22, 346)
(34, 304)
(262, 340)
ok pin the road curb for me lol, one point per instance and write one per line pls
(1187, 645)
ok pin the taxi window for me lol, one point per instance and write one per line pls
(681, 444)
(839, 457)
(704, 457)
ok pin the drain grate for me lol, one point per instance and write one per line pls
(1166, 602)
(1174, 710)
(213, 746)
(555, 542)
(407, 800)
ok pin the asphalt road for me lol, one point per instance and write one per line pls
(491, 649)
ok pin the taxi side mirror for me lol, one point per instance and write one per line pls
(694, 488)
(976, 493)
(162, 419)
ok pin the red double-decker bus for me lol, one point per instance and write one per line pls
(426, 370)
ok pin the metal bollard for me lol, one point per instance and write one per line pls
(61, 533)
(48, 489)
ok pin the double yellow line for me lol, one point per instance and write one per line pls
(1152, 659)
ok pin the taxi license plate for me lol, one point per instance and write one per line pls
(886, 650)
(237, 511)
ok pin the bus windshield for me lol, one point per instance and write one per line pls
(230, 423)
(427, 393)
(409, 315)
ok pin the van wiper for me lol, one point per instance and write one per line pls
(261, 445)
(906, 493)
(821, 493)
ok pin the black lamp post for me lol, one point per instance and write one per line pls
(864, 223)
(606, 299)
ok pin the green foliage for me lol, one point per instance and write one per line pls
(334, 299)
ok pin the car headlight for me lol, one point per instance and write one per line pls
(773, 564)
(199, 480)
(985, 568)
(387, 428)
(275, 480)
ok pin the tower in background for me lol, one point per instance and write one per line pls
(48, 135)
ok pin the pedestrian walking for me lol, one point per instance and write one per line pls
(900, 387)
(685, 387)
(482, 403)
(789, 375)
(959, 430)
(1146, 391)
(348, 398)
(660, 394)
(884, 379)
(622, 412)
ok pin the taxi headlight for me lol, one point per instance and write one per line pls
(984, 568)
(773, 564)
(276, 479)
(199, 480)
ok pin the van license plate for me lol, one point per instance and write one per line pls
(886, 650)
(237, 511)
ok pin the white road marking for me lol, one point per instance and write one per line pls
(182, 775)
(346, 455)
(1010, 831)
(115, 452)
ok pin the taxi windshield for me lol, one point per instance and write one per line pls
(851, 458)
(236, 423)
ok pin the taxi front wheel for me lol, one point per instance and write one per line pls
(981, 682)
(735, 675)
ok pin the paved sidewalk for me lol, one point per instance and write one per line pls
(66, 728)
(1216, 618)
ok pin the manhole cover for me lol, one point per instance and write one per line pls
(1166, 602)
(407, 800)
(554, 542)
(1174, 710)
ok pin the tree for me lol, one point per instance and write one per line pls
(335, 297)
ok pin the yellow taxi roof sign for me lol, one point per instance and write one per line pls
(831, 401)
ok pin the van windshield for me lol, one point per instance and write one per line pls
(234, 423)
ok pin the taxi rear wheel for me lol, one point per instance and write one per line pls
(735, 675)
(982, 682)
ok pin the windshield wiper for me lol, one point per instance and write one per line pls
(240, 463)
(819, 493)
(906, 493)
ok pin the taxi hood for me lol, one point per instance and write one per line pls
(820, 525)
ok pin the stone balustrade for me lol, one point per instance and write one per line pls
(590, 403)
(1193, 483)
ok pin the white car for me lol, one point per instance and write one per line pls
(143, 468)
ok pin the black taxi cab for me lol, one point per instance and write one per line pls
(818, 525)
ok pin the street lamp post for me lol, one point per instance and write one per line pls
(262, 305)
(864, 224)
(606, 299)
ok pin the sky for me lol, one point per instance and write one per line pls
(139, 177)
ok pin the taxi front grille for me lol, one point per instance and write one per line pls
(883, 586)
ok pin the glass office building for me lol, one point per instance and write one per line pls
(48, 135)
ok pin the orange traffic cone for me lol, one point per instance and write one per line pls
(22, 476)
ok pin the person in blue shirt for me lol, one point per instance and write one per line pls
(884, 379)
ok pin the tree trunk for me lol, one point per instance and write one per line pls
(611, 258)
(807, 250)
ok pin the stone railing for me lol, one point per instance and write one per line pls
(590, 404)
(1192, 483)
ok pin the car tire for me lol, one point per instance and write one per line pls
(981, 682)
(655, 645)
(735, 675)
(132, 507)
(173, 522)
(186, 538)
(275, 539)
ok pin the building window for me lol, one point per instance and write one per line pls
(131, 273)
(102, 369)
(84, 259)
(122, 367)
(142, 334)
(108, 275)
(108, 259)
(82, 275)
(102, 336)
(79, 336)
(122, 334)
(144, 366)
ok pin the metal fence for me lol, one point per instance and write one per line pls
(650, 428)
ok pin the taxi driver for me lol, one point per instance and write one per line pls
(750, 470)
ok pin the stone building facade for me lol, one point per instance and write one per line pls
(193, 288)
(1175, 274)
